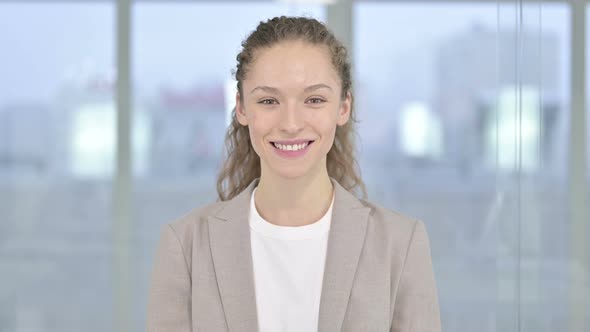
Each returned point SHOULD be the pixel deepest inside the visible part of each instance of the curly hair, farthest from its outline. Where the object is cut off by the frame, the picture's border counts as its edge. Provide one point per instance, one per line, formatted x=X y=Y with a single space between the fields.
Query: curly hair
x=242 y=164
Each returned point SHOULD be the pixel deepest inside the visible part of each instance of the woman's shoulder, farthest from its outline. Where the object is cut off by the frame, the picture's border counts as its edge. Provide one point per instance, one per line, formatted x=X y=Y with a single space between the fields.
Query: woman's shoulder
x=391 y=221
x=382 y=219
x=197 y=214
x=184 y=225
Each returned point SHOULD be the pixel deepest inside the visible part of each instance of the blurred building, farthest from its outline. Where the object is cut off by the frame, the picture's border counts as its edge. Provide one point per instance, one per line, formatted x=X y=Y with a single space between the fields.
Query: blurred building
x=25 y=129
x=187 y=129
x=473 y=69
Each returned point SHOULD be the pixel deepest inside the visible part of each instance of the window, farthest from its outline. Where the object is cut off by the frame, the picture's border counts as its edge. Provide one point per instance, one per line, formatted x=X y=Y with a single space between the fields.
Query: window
x=56 y=154
x=459 y=130
x=464 y=123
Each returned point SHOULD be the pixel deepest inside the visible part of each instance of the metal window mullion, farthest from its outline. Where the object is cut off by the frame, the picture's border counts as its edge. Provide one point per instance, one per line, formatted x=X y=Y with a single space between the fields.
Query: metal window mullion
x=122 y=221
x=339 y=18
x=577 y=184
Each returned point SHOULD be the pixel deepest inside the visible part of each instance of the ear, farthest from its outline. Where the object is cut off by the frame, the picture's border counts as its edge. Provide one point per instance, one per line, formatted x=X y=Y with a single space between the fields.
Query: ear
x=240 y=111
x=344 y=110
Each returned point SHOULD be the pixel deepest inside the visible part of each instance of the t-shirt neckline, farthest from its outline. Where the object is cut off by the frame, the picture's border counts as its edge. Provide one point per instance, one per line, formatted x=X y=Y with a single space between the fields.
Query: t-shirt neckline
x=267 y=229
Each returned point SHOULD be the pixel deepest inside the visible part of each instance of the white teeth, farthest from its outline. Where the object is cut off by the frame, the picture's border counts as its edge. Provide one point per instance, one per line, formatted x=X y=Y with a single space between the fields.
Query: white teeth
x=295 y=147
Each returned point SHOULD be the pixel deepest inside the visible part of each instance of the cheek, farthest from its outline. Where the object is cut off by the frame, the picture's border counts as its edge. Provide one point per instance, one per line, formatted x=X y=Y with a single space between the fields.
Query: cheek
x=328 y=133
x=259 y=128
x=330 y=137
x=258 y=131
x=254 y=136
x=255 y=143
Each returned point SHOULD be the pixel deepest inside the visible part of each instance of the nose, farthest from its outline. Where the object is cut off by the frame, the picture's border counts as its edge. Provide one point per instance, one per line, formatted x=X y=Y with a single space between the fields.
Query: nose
x=291 y=121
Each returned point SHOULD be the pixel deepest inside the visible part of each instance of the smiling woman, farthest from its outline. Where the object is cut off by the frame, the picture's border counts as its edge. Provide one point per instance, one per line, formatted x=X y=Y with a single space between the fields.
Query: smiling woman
x=288 y=246
x=304 y=88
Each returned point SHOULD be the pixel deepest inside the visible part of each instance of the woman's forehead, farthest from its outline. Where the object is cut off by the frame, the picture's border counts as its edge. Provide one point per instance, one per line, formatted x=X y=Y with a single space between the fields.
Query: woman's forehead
x=293 y=63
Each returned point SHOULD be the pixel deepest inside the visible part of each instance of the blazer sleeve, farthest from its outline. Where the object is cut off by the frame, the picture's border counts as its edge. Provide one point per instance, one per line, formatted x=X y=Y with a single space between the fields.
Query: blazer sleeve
x=169 y=300
x=416 y=306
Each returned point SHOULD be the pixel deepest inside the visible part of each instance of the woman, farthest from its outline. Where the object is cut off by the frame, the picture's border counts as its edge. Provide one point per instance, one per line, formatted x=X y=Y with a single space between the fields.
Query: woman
x=288 y=246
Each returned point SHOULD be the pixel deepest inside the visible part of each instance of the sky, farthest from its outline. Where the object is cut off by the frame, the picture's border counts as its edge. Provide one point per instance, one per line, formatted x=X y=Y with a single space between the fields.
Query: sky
x=180 y=45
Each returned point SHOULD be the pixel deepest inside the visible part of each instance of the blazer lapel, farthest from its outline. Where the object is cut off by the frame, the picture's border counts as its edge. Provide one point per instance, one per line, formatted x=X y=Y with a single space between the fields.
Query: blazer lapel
x=345 y=242
x=229 y=237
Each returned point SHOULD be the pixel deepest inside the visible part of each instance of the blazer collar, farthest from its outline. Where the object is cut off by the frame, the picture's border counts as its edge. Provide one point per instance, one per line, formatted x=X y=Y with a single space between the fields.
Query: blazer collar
x=229 y=237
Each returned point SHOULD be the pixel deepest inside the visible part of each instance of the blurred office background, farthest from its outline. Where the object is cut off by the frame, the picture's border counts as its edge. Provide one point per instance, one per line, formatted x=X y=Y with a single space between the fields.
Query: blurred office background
x=473 y=118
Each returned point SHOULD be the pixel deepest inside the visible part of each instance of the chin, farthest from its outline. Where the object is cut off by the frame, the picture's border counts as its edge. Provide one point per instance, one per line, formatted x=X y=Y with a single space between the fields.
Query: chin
x=291 y=173
x=304 y=168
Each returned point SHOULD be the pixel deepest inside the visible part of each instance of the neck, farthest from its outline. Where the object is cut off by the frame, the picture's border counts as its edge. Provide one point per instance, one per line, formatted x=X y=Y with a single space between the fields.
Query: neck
x=293 y=201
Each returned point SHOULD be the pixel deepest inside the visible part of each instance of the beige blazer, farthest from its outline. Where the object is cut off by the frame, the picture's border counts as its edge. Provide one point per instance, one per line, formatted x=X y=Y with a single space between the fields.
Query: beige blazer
x=378 y=274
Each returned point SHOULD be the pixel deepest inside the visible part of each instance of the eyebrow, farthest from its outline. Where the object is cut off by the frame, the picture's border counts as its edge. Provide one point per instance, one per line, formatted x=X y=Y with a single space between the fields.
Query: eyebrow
x=275 y=90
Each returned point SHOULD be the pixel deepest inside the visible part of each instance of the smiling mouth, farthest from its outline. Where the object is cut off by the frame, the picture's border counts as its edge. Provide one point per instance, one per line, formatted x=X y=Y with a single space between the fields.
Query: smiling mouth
x=292 y=147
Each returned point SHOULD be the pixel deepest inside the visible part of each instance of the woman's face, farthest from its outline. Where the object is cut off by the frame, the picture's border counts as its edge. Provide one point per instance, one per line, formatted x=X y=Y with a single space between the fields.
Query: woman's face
x=292 y=96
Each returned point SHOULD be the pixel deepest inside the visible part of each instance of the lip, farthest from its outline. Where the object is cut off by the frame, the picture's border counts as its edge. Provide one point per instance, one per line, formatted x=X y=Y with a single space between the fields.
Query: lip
x=292 y=154
x=293 y=141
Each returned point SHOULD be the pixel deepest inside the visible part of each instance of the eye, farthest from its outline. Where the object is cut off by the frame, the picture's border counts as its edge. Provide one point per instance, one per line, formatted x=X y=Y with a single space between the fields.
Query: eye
x=267 y=101
x=316 y=100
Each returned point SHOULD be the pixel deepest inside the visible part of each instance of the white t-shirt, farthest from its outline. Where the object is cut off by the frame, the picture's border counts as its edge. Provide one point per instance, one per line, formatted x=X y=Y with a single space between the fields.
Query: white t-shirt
x=288 y=271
